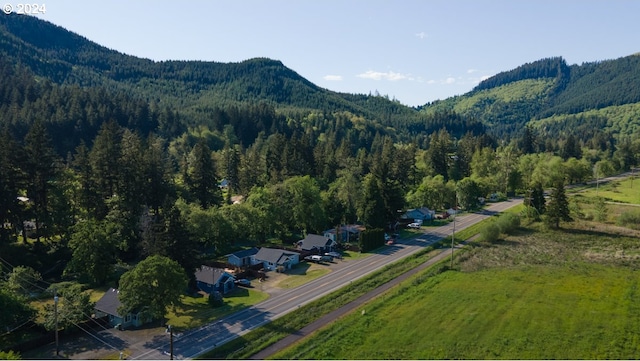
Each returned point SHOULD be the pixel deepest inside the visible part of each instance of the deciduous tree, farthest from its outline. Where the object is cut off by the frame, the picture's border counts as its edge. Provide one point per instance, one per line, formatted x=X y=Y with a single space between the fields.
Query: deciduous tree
x=75 y=306
x=152 y=286
x=93 y=250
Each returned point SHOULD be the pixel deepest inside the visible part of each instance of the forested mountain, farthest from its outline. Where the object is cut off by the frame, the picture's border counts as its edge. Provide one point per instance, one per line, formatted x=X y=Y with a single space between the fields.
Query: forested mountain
x=549 y=87
x=52 y=52
x=107 y=159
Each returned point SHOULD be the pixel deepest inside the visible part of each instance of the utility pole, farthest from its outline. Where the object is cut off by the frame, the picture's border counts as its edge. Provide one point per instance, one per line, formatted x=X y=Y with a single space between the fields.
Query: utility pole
x=170 y=342
x=55 y=317
x=597 y=180
x=453 y=236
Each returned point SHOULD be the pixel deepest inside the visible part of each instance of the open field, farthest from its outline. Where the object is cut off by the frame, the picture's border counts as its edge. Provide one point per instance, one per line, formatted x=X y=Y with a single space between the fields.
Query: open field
x=569 y=294
x=625 y=191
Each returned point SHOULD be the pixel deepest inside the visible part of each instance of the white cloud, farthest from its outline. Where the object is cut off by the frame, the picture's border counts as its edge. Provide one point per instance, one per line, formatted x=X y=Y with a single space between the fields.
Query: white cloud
x=485 y=77
x=421 y=35
x=471 y=71
x=450 y=80
x=332 y=77
x=378 y=75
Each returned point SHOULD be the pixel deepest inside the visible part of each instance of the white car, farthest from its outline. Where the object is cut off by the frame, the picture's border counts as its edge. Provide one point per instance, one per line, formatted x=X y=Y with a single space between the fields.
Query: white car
x=415 y=225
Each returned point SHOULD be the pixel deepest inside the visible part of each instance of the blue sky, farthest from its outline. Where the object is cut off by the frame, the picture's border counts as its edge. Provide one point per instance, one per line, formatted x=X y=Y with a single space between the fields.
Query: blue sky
x=411 y=50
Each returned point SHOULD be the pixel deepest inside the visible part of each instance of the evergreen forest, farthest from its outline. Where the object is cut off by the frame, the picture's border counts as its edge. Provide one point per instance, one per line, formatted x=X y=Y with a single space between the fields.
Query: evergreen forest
x=107 y=159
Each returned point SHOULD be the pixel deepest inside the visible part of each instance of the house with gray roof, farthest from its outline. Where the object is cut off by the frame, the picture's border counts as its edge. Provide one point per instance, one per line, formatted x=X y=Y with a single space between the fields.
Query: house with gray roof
x=419 y=214
x=244 y=258
x=345 y=233
x=107 y=306
x=211 y=279
x=316 y=243
x=277 y=259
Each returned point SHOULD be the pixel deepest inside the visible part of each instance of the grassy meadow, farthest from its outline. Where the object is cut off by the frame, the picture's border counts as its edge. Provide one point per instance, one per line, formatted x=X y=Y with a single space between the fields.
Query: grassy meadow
x=625 y=191
x=567 y=294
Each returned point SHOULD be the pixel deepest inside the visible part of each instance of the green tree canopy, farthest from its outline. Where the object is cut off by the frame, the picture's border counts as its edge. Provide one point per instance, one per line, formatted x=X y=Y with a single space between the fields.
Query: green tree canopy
x=93 y=250
x=14 y=310
x=23 y=280
x=74 y=307
x=152 y=286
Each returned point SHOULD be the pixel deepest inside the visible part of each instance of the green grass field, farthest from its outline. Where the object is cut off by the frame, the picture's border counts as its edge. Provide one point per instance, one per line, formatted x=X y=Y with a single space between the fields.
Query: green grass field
x=569 y=294
x=626 y=191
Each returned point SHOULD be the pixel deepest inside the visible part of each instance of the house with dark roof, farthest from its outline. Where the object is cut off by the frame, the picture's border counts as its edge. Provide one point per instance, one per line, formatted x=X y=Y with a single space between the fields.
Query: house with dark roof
x=419 y=214
x=211 y=279
x=316 y=243
x=345 y=233
x=107 y=306
x=277 y=259
x=244 y=258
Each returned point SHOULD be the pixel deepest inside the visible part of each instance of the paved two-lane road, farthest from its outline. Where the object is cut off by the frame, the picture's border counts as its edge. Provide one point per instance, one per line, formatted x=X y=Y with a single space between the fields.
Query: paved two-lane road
x=195 y=342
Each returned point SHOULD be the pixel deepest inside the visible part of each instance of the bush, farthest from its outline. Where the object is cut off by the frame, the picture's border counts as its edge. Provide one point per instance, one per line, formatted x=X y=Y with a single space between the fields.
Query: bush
x=215 y=299
x=630 y=219
x=490 y=233
x=508 y=222
x=9 y=355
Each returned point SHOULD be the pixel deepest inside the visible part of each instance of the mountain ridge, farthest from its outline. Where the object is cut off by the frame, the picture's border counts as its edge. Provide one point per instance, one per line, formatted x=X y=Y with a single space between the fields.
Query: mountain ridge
x=505 y=102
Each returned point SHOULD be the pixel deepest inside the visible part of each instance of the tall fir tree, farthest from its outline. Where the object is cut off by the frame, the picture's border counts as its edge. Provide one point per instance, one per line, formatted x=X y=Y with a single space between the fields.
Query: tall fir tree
x=558 y=206
x=11 y=181
x=104 y=158
x=41 y=168
x=201 y=177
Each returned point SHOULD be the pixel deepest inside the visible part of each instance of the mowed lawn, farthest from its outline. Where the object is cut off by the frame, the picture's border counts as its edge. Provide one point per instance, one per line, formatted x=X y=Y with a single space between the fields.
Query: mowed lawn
x=195 y=311
x=563 y=307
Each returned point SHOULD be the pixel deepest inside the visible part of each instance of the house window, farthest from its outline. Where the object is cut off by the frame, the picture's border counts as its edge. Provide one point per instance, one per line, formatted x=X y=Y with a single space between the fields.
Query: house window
x=127 y=318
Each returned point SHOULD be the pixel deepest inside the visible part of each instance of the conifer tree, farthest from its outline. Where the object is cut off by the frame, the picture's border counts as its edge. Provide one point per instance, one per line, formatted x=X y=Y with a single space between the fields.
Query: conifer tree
x=11 y=178
x=558 y=207
x=201 y=177
x=40 y=169
x=104 y=158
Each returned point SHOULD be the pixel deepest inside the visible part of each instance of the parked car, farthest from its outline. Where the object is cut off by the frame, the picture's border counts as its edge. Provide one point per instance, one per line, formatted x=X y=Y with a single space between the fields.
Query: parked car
x=243 y=282
x=415 y=225
x=391 y=242
x=326 y=258
x=334 y=255
x=314 y=258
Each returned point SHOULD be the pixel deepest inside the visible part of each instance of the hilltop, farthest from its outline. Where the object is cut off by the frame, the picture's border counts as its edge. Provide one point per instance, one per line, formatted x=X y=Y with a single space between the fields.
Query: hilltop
x=576 y=99
x=537 y=93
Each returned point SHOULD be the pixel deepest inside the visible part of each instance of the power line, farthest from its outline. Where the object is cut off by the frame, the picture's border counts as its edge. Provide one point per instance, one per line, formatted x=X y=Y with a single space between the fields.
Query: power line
x=95 y=337
x=22 y=324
